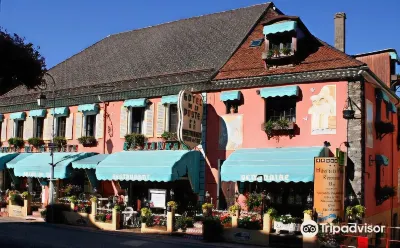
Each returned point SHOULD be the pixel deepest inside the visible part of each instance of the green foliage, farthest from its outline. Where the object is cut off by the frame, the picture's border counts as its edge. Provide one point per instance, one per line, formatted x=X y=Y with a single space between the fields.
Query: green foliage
x=270 y=53
x=60 y=141
x=207 y=206
x=145 y=216
x=308 y=211
x=272 y=212
x=232 y=209
x=355 y=212
x=101 y=217
x=43 y=213
x=16 y=199
x=135 y=139
x=286 y=50
x=253 y=201
x=172 y=204
x=169 y=136
x=285 y=219
x=269 y=126
x=36 y=142
x=20 y=63
x=16 y=142
x=87 y=140
x=25 y=195
x=213 y=229
x=251 y=223
x=73 y=199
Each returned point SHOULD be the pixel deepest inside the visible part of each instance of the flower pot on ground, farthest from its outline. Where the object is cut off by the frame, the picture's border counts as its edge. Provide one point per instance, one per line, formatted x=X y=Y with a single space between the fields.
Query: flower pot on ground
x=36 y=142
x=87 y=141
x=16 y=199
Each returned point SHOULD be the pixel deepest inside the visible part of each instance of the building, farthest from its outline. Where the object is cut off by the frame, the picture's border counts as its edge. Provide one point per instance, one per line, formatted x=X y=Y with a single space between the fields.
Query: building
x=274 y=95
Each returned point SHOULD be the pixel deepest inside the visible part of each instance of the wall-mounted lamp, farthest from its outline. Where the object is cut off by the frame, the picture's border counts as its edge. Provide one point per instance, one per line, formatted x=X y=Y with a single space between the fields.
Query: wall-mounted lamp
x=351 y=197
x=359 y=196
x=348 y=111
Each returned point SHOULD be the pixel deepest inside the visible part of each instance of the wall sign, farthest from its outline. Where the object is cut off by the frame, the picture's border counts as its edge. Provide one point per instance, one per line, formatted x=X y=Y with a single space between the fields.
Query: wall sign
x=328 y=188
x=131 y=177
x=158 y=198
x=267 y=178
x=36 y=174
x=230 y=132
x=190 y=112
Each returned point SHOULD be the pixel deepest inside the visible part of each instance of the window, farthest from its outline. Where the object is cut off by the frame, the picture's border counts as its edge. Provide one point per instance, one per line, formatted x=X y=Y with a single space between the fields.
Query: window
x=39 y=121
x=61 y=123
x=232 y=106
x=90 y=125
x=137 y=115
x=256 y=43
x=173 y=118
x=281 y=108
x=280 y=42
x=19 y=130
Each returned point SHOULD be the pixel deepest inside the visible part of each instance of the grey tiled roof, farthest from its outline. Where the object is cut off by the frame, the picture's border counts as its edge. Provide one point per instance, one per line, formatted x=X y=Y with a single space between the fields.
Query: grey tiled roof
x=170 y=53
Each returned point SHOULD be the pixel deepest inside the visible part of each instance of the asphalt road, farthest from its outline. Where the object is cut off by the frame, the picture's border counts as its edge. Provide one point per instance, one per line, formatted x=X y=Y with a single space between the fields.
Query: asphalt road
x=16 y=233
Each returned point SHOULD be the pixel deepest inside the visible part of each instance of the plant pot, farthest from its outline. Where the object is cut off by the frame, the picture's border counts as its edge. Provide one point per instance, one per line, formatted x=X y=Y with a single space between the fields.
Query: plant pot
x=348 y=114
x=143 y=225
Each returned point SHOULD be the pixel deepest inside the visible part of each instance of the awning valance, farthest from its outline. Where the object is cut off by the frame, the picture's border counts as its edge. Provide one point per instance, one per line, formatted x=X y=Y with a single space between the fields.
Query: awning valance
x=5 y=158
x=136 y=103
x=11 y=164
x=280 y=91
x=89 y=162
x=1 y=117
x=230 y=95
x=380 y=95
x=280 y=27
x=381 y=160
x=172 y=99
x=18 y=116
x=38 y=113
x=38 y=164
x=62 y=111
x=294 y=164
x=159 y=166
x=94 y=108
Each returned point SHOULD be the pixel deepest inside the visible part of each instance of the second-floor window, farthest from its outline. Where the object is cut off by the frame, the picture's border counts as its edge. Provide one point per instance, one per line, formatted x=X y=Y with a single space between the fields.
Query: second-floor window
x=137 y=115
x=90 y=125
x=38 y=126
x=61 y=124
x=173 y=118
x=281 y=108
x=19 y=129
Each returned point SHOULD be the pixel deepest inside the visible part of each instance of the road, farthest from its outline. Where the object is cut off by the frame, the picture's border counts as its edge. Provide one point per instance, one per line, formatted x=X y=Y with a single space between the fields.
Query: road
x=18 y=233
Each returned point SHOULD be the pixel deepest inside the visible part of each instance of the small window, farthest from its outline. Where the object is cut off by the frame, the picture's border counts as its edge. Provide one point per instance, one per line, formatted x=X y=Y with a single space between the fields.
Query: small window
x=39 y=121
x=278 y=108
x=19 y=129
x=256 y=43
x=136 y=120
x=90 y=125
x=232 y=106
x=173 y=118
x=61 y=123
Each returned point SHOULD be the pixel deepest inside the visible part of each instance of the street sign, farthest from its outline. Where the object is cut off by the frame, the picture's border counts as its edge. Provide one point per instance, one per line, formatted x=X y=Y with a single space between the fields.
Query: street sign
x=190 y=113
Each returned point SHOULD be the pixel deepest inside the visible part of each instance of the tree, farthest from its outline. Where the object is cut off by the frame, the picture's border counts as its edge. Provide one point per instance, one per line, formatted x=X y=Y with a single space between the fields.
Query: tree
x=20 y=63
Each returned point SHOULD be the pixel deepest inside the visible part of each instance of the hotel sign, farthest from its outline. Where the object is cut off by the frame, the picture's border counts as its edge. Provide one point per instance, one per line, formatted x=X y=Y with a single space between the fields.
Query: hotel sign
x=190 y=112
x=131 y=177
x=267 y=178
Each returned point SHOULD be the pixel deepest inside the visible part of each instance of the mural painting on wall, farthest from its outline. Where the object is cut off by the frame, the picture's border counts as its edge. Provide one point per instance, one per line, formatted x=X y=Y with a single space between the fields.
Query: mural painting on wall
x=231 y=132
x=370 y=126
x=323 y=111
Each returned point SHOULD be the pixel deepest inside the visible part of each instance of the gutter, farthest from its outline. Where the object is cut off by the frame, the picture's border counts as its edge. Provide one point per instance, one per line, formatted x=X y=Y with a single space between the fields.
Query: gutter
x=372 y=78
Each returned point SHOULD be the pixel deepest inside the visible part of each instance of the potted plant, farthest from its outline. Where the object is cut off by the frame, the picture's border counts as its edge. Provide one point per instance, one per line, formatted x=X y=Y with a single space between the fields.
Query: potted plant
x=169 y=136
x=286 y=51
x=87 y=141
x=93 y=199
x=287 y=223
x=35 y=142
x=277 y=52
x=384 y=127
x=73 y=199
x=207 y=209
x=355 y=213
x=16 y=142
x=171 y=206
x=145 y=214
x=180 y=223
x=101 y=217
x=60 y=141
x=254 y=201
x=25 y=195
x=16 y=199
x=272 y=213
x=234 y=210
x=135 y=140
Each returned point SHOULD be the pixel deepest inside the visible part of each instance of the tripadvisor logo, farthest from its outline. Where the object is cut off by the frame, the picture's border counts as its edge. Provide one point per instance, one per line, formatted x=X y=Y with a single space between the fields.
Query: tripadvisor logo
x=310 y=228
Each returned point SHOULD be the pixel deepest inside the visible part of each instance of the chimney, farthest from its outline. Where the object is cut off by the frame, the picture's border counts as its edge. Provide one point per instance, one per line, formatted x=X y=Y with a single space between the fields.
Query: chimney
x=340 y=31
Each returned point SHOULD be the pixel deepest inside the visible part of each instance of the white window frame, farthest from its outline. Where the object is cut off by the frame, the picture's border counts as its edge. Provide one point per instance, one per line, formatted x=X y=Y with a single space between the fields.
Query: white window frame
x=35 y=127
x=85 y=115
x=130 y=120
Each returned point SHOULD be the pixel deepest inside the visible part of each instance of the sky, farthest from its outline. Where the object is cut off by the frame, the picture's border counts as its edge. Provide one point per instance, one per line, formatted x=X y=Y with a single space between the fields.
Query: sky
x=63 y=28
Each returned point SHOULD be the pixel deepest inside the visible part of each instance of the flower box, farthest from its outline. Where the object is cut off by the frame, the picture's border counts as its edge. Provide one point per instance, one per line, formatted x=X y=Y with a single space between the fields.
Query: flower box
x=290 y=227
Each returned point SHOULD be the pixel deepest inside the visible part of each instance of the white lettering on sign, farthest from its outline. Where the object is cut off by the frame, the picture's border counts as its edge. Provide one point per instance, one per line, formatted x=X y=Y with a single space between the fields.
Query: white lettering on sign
x=267 y=178
x=36 y=174
x=131 y=177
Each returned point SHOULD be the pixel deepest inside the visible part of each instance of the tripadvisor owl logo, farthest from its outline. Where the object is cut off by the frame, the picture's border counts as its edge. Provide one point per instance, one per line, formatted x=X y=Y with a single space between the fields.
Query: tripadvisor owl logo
x=309 y=228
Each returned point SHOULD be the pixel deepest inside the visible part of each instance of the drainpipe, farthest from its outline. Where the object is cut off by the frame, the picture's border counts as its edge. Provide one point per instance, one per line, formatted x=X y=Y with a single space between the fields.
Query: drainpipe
x=104 y=127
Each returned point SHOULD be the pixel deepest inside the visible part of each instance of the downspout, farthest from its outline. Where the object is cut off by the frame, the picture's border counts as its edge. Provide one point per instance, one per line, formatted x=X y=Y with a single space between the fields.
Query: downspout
x=104 y=127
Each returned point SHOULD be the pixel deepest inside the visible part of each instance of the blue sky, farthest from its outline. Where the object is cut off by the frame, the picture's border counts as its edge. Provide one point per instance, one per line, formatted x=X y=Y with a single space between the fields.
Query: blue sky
x=63 y=28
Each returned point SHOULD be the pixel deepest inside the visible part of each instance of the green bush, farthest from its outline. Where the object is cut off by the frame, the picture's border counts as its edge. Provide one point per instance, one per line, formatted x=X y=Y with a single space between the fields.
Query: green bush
x=36 y=142
x=16 y=142
x=25 y=195
x=212 y=229
x=169 y=136
x=135 y=138
x=87 y=140
x=73 y=199
x=16 y=199
x=54 y=213
x=60 y=141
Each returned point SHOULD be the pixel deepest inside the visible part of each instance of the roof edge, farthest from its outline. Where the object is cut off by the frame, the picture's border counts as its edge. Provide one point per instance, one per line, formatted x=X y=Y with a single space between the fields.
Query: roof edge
x=387 y=50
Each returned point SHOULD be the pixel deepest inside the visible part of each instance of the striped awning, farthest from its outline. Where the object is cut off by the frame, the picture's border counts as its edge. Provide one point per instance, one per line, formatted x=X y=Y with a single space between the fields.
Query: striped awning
x=38 y=113
x=280 y=27
x=18 y=116
x=136 y=103
x=89 y=162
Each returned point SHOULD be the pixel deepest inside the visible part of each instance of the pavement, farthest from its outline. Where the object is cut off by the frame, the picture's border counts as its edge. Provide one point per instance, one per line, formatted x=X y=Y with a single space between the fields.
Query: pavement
x=16 y=232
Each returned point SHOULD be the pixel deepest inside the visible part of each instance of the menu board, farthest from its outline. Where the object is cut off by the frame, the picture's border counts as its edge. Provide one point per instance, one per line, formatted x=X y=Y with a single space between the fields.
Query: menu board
x=158 y=198
x=328 y=188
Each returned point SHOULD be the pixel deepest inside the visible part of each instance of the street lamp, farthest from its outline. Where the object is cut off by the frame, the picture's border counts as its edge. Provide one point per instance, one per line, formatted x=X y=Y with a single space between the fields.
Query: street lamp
x=42 y=103
x=207 y=196
x=172 y=193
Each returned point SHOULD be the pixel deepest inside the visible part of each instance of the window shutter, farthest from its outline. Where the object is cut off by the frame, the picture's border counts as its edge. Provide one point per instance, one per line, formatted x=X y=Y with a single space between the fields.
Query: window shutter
x=28 y=128
x=78 y=125
x=149 y=121
x=4 y=130
x=47 y=127
x=123 y=125
x=10 y=129
x=100 y=124
x=68 y=126
x=160 y=119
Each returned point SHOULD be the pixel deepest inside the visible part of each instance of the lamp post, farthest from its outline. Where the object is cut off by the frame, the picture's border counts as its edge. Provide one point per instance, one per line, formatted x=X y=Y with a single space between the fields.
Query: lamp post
x=207 y=196
x=171 y=192
x=42 y=103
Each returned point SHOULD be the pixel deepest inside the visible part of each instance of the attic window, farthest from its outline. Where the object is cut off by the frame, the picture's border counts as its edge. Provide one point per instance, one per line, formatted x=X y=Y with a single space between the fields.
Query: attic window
x=256 y=43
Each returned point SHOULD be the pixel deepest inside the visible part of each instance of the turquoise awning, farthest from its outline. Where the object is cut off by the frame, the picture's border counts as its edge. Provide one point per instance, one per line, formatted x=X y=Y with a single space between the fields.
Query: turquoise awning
x=394 y=56
x=280 y=27
x=5 y=158
x=230 y=95
x=294 y=164
x=62 y=111
x=89 y=108
x=280 y=91
x=1 y=117
x=159 y=166
x=18 y=116
x=11 y=164
x=381 y=160
x=90 y=162
x=136 y=103
x=38 y=164
x=172 y=99
x=380 y=95
x=392 y=108
x=38 y=113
